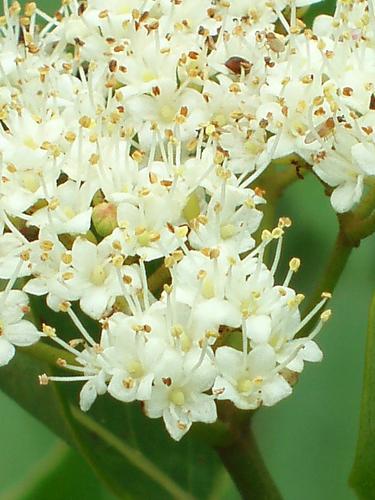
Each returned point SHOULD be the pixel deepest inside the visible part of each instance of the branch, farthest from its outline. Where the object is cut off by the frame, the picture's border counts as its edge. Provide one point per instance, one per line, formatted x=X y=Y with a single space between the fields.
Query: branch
x=242 y=459
x=332 y=272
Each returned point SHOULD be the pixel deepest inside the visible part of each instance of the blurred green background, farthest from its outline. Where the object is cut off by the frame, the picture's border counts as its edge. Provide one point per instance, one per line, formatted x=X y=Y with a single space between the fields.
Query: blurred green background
x=308 y=440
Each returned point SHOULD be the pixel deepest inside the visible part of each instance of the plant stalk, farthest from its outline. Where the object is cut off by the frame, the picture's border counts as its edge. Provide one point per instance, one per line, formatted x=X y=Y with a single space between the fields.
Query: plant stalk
x=243 y=461
x=334 y=268
x=241 y=456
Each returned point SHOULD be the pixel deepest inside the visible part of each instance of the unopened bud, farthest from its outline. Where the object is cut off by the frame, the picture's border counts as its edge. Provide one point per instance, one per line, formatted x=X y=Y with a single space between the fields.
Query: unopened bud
x=104 y=218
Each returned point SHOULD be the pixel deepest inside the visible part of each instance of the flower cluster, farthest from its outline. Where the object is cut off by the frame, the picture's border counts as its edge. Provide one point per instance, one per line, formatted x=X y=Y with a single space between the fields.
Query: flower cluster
x=131 y=138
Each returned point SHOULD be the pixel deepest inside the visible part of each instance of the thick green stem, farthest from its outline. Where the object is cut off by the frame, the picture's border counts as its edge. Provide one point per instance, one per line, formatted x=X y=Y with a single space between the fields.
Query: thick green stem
x=241 y=456
x=367 y=204
x=245 y=464
x=333 y=270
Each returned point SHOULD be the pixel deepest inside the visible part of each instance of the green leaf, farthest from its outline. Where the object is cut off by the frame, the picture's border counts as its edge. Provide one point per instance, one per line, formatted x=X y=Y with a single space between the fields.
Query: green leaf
x=60 y=474
x=131 y=454
x=362 y=478
x=19 y=380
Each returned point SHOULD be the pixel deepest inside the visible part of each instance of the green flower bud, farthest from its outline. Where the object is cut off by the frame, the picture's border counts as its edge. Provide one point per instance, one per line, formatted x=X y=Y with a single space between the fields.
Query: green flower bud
x=104 y=218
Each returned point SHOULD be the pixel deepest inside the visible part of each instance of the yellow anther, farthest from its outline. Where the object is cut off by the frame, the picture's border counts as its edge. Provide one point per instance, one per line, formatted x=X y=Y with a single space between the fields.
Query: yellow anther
x=49 y=331
x=43 y=379
x=277 y=232
x=326 y=315
x=177 y=331
x=294 y=264
x=266 y=235
x=118 y=261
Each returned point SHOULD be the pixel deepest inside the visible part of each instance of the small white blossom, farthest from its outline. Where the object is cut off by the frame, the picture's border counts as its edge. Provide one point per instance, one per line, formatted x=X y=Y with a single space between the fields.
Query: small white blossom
x=14 y=330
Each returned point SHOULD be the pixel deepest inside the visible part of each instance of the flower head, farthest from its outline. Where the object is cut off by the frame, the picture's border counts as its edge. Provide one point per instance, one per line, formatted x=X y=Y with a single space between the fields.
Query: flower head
x=132 y=135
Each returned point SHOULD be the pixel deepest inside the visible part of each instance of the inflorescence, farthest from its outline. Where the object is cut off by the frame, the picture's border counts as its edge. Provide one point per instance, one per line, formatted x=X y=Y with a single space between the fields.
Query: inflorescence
x=132 y=134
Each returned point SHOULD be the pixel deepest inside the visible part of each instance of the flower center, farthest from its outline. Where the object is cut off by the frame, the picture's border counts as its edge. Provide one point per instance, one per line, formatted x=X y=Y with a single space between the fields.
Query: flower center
x=30 y=143
x=167 y=113
x=30 y=181
x=146 y=237
x=69 y=212
x=208 y=289
x=220 y=119
x=177 y=397
x=227 y=231
x=148 y=76
x=245 y=385
x=253 y=148
x=98 y=275
x=135 y=369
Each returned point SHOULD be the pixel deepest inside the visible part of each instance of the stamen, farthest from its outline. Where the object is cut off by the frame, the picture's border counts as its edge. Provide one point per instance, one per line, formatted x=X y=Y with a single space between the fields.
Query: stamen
x=11 y=283
x=127 y=296
x=276 y=259
x=288 y=360
x=144 y=284
x=201 y=358
x=13 y=228
x=294 y=265
x=324 y=317
x=70 y=379
x=326 y=296
x=80 y=327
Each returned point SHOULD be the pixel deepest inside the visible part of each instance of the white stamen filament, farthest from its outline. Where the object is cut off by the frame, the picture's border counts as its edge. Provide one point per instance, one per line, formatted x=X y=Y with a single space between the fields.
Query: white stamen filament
x=80 y=327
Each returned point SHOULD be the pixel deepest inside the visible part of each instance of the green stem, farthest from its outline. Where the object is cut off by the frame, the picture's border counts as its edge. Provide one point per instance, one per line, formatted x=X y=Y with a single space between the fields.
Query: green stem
x=245 y=464
x=367 y=204
x=354 y=227
x=241 y=456
x=274 y=184
x=333 y=270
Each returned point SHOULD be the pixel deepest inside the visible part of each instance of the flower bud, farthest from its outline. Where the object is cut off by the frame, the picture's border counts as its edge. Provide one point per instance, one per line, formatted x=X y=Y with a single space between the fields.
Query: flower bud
x=104 y=218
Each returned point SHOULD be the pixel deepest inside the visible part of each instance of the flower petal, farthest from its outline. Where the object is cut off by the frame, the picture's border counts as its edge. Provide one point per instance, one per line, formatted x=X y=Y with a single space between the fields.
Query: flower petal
x=7 y=351
x=258 y=328
x=275 y=390
x=23 y=333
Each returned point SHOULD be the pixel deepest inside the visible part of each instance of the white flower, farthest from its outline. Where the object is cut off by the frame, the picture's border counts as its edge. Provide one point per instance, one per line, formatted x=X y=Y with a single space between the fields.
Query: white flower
x=91 y=389
x=14 y=330
x=344 y=168
x=231 y=218
x=249 y=380
x=47 y=262
x=134 y=356
x=11 y=249
x=179 y=390
x=92 y=277
x=69 y=209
